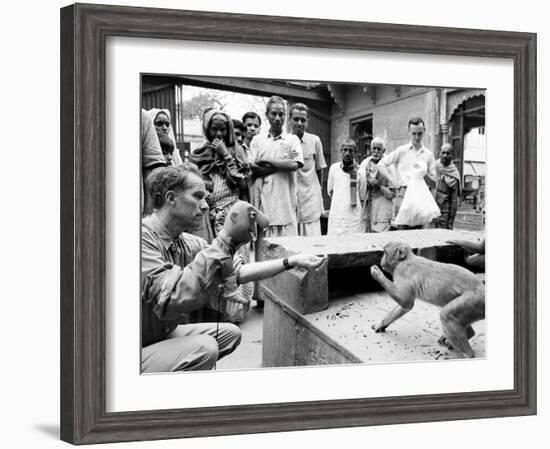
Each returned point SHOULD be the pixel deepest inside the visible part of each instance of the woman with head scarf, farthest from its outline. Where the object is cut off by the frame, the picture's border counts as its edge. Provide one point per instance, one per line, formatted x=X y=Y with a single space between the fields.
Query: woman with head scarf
x=224 y=168
x=223 y=165
x=163 y=126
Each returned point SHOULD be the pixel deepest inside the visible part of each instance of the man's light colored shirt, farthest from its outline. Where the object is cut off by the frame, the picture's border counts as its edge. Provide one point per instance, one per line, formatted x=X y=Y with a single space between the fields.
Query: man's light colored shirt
x=343 y=217
x=276 y=194
x=246 y=151
x=310 y=198
x=403 y=159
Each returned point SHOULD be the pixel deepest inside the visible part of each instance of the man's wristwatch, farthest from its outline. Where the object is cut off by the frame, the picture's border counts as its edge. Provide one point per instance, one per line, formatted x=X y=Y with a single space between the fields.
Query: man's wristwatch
x=286 y=263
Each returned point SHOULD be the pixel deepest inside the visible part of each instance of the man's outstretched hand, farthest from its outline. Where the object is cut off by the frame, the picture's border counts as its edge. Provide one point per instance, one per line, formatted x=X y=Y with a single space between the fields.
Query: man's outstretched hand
x=308 y=261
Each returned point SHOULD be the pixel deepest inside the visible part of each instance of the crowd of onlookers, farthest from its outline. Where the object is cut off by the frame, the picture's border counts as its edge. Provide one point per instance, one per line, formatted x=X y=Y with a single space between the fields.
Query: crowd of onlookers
x=282 y=174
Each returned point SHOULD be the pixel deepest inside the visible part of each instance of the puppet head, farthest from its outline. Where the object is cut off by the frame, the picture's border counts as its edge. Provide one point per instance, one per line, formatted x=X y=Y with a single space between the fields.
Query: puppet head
x=241 y=222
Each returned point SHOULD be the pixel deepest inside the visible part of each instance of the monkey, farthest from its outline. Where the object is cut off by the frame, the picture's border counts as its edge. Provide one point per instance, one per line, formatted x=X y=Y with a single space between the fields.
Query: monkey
x=458 y=292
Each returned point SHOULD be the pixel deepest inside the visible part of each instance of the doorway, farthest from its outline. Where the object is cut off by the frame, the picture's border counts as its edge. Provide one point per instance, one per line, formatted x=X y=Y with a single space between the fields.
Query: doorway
x=468 y=115
x=361 y=132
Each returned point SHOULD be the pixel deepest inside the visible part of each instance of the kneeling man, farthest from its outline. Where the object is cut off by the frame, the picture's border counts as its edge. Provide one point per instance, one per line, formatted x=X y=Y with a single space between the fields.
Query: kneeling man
x=180 y=273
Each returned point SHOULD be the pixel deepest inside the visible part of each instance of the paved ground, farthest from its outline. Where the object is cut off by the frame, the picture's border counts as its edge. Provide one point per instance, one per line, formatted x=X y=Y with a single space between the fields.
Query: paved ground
x=348 y=321
x=249 y=353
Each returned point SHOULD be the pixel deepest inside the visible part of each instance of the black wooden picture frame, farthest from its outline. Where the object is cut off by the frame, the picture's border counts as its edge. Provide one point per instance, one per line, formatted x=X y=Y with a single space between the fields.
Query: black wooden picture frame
x=84 y=29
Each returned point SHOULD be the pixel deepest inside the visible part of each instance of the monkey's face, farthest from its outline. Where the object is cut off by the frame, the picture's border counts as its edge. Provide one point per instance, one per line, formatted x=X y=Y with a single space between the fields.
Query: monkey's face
x=394 y=254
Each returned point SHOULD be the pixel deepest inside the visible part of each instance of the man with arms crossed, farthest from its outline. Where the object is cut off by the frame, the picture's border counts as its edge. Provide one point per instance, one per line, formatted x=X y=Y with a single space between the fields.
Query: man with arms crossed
x=275 y=157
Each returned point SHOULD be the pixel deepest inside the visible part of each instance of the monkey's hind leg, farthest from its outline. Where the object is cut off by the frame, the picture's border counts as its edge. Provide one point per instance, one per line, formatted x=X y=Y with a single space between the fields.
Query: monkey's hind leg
x=470 y=332
x=456 y=318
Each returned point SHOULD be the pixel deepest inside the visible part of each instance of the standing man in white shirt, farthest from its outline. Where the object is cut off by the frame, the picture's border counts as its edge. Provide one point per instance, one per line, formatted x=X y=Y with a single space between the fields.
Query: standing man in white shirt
x=403 y=159
x=275 y=157
x=310 y=176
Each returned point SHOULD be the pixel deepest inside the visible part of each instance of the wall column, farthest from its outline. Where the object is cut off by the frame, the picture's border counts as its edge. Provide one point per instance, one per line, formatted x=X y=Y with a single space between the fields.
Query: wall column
x=443 y=120
x=444 y=129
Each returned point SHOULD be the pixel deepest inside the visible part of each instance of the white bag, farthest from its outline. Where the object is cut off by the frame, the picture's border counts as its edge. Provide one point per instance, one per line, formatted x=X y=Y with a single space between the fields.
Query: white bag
x=418 y=207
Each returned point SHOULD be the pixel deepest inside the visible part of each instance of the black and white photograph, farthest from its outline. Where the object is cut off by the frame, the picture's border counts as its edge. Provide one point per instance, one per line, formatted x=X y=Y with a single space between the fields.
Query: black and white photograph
x=293 y=223
x=263 y=225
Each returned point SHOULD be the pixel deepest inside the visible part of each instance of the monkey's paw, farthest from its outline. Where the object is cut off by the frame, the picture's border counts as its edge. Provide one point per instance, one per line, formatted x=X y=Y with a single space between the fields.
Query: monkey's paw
x=379 y=328
x=444 y=342
x=376 y=272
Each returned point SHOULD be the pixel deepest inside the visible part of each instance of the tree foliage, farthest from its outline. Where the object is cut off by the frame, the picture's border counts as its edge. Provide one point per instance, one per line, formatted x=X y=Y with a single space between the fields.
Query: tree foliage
x=196 y=105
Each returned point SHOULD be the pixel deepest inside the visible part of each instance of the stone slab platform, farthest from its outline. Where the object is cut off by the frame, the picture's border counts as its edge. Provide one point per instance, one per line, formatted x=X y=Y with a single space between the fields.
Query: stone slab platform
x=366 y=249
x=347 y=263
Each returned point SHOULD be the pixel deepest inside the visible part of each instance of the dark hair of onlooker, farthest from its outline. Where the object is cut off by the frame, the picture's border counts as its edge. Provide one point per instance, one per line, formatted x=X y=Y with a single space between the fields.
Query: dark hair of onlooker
x=416 y=121
x=349 y=142
x=163 y=179
x=252 y=115
x=275 y=99
x=237 y=124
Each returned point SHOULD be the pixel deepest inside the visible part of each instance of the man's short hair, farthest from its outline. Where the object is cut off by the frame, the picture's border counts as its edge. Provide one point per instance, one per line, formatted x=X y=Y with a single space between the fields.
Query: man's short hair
x=416 y=121
x=350 y=142
x=163 y=179
x=237 y=124
x=447 y=146
x=299 y=107
x=275 y=99
x=252 y=115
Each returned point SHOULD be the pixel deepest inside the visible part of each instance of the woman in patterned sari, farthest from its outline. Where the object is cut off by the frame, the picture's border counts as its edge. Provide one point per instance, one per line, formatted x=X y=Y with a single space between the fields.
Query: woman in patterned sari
x=225 y=170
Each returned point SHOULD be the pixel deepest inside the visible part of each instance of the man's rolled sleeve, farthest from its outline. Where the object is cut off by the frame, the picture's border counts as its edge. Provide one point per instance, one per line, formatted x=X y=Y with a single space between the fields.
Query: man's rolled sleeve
x=297 y=154
x=389 y=159
x=320 y=162
x=176 y=291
